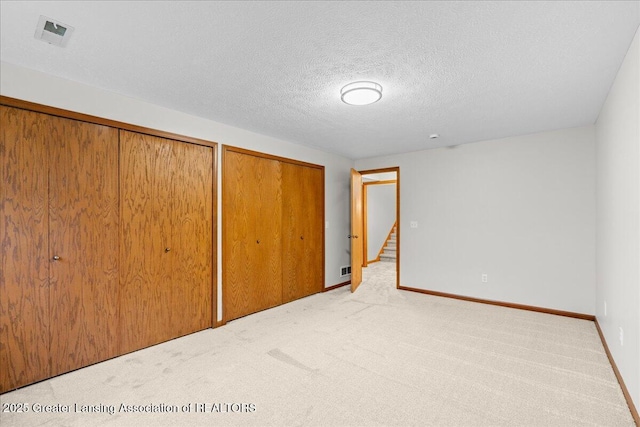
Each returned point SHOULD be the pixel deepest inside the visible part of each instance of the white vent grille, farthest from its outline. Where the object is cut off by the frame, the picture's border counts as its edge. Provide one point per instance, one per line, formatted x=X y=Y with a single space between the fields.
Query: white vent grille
x=345 y=271
x=53 y=32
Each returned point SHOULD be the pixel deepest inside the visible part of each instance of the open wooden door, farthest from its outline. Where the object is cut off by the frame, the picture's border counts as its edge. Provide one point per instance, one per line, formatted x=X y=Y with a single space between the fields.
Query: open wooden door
x=357 y=250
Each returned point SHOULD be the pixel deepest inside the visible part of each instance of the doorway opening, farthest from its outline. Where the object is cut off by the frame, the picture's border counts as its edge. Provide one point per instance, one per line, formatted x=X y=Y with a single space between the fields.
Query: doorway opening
x=375 y=223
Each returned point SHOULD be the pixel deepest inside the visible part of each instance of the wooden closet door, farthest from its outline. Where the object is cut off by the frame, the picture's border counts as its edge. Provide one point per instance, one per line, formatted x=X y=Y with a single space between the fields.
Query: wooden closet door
x=313 y=219
x=192 y=239
x=302 y=225
x=163 y=251
x=166 y=239
x=252 y=215
x=24 y=244
x=83 y=226
x=146 y=173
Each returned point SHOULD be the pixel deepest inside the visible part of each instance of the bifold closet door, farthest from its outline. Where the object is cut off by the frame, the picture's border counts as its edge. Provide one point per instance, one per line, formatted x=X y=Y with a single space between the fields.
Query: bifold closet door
x=83 y=227
x=192 y=238
x=302 y=228
x=144 y=265
x=24 y=255
x=166 y=243
x=252 y=215
x=59 y=233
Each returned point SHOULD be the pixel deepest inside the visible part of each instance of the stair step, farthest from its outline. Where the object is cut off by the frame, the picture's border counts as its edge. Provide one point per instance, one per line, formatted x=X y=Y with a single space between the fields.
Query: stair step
x=389 y=250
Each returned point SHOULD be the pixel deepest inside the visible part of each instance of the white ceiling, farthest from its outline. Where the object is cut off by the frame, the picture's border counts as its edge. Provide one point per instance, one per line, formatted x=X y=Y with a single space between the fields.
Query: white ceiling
x=469 y=71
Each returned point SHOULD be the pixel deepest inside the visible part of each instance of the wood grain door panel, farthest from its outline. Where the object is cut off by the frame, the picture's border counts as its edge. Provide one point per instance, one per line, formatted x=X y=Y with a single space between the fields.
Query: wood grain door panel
x=146 y=189
x=192 y=238
x=238 y=231
x=163 y=250
x=83 y=222
x=267 y=280
x=24 y=255
x=302 y=231
x=293 y=231
x=313 y=218
x=167 y=244
x=252 y=210
x=141 y=247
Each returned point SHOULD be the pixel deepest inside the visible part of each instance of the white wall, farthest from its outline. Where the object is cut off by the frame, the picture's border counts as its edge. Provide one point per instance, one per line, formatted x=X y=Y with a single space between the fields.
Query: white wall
x=618 y=219
x=521 y=210
x=34 y=86
x=381 y=214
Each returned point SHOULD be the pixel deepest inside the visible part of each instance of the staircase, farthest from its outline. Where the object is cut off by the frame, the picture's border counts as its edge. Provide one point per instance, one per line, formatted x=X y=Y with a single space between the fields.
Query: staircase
x=388 y=251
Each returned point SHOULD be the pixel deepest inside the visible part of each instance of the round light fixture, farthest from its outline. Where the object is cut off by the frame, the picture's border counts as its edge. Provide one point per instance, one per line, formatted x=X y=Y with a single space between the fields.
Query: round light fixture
x=434 y=136
x=361 y=93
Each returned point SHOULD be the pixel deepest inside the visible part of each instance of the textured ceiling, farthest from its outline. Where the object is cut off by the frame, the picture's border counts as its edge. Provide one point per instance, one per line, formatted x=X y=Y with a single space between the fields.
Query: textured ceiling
x=469 y=71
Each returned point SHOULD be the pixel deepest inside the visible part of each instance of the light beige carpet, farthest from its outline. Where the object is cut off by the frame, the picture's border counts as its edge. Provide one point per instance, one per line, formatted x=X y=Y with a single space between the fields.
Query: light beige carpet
x=376 y=357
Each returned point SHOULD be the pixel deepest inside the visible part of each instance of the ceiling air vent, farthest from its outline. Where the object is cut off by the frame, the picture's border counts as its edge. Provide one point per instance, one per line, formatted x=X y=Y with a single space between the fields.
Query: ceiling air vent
x=53 y=32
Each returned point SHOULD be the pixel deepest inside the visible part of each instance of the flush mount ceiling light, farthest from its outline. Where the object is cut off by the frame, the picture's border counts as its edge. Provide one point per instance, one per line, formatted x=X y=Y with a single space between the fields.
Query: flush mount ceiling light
x=361 y=93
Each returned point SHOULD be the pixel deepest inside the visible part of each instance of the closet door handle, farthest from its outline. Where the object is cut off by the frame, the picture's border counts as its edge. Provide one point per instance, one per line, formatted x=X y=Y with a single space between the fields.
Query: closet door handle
x=167 y=250
x=301 y=237
x=350 y=236
x=258 y=241
x=56 y=258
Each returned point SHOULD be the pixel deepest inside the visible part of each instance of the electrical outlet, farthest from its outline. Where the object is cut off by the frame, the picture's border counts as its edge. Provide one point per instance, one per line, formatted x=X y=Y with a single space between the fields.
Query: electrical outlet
x=621 y=336
x=605 y=309
x=413 y=224
x=485 y=279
